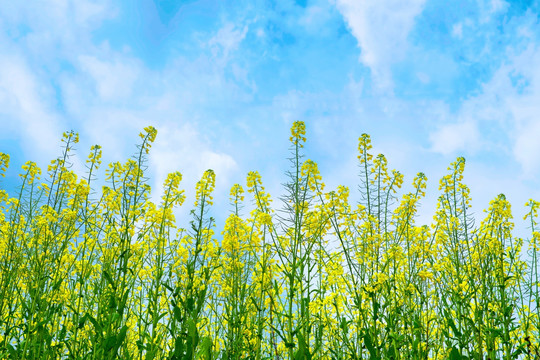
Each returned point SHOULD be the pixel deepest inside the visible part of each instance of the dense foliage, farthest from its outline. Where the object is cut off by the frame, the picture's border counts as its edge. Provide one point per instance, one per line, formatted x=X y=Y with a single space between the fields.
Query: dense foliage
x=87 y=274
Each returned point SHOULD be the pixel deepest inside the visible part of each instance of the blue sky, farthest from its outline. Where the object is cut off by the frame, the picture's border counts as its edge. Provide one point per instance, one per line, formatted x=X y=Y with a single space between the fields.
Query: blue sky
x=222 y=81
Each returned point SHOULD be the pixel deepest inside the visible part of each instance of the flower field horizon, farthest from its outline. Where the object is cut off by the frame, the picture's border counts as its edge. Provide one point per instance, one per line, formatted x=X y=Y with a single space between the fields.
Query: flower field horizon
x=108 y=273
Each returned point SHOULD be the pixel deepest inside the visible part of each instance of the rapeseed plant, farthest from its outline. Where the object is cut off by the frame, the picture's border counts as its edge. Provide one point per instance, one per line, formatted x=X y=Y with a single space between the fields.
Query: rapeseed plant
x=108 y=274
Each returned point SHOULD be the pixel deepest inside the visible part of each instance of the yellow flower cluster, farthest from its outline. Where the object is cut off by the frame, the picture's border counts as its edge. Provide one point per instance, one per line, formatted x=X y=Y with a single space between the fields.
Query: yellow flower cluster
x=298 y=132
x=32 y=172
x=204 y=189
x=364 y=145
x=4 y=163
x=148 y=137
x=236 y=194
x=262 y=198
x=173 y=196
x=310 y=171
x=94 y=158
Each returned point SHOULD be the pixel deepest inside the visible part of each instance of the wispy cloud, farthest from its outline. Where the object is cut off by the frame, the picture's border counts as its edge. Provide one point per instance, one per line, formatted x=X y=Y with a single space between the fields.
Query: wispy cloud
x=227 y=39
x=113 y=79
x=455 y=137
x=381 y=28
x=26 y=106
x=503 y=117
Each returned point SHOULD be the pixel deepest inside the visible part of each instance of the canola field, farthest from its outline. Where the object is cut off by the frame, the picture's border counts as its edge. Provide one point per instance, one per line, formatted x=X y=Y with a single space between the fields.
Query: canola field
x=90 y=272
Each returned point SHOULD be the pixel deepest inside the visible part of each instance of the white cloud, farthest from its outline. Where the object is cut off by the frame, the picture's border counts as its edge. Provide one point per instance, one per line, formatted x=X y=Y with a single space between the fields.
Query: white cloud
x=423 y=77
x=457 y=30
x=489 y=8
x=227 y=39
x=498 y=5
x=25 y=106
x=180 y=147
x=114 y=80
x=522 y=102
x=55 y=28
x=315 y=17
x=452 y=138
x=381 y=28
x=527 y=147
x=503 y=117
x=90 y=12
x=33 y=37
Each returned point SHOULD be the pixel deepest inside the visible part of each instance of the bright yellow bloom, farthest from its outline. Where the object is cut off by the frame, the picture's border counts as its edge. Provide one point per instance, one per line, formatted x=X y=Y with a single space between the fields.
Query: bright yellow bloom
x=4 y=163
x=204 y=188
x=298 y=132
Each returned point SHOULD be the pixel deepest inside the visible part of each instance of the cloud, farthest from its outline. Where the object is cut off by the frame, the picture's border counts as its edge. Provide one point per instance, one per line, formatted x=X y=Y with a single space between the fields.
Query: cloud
x=49 y=30
x=457 y=137
x=489 y=8
x=522 y=103
x=457 y=30
x=181 y=147
x=503 y=118
x=381 y=28
x=227 y=39
x=113 y=79
x=36 y=41
x=25 y=106
x=316 y=17
x=527 y=147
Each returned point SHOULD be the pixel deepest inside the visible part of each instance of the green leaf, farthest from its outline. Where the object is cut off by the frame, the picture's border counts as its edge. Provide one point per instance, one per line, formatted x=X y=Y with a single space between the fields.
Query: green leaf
x=303 y=349
x=121 y=336
x=454 y=354
x=112 y=303
x=192 y=329
x=205 y=351
x=56 y=286
x=167 y=287
x=140 y=345
x=82 y=321
x=12 y=351
x=369 y=346
x=123 y=302
x=520 y=350
x=110 y=343
x=192 y=339
x=150 y=354
x=344 y=325
x=452 y=325
x=299 y=354
x=162 y=315
x=62 y=334
x=190 y=304
x=178 y=347
x=94 y=322
x=177 y=314
x=109 y=279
